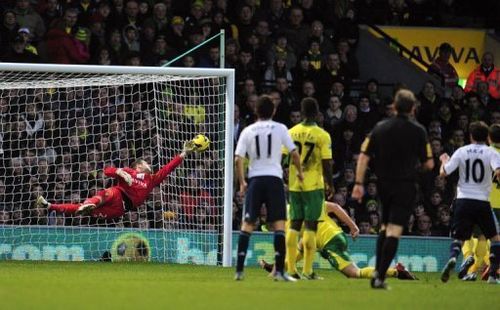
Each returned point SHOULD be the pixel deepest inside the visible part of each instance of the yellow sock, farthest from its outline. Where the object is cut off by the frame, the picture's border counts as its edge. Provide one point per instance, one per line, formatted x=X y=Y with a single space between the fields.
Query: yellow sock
x=292 y=242
x=391 y=272
x=300 y=256
x=468 y=248
x=480 y=253
x=486 y=257
x=309 y=242
x=366 y=273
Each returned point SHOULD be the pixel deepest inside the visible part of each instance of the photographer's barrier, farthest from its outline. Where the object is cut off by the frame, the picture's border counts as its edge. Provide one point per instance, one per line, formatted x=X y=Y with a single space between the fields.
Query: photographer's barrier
x=186 y=247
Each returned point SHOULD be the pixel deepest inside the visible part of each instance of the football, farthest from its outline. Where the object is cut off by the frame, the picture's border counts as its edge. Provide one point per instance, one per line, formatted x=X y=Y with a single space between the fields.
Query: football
x=201 y=143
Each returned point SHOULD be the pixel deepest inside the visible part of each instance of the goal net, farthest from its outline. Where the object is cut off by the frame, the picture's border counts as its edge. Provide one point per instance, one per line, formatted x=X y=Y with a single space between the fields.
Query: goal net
x=61 y=125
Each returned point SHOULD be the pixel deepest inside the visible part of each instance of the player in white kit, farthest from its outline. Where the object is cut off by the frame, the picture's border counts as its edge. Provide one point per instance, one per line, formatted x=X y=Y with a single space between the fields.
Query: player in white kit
x=262 y=142
x=476 y=163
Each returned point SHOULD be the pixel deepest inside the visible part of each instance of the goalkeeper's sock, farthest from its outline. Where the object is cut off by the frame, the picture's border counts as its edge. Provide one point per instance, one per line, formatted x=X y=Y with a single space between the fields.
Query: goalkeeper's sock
x=292 y=243
x=379 y=246
x=242 y=250
x=309 y=251
x=68 y=208
x=280 y=250
x=388 y=252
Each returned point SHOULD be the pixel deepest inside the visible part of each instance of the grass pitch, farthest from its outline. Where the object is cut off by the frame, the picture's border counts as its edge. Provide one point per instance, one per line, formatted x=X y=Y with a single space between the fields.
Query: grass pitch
x=60 y=285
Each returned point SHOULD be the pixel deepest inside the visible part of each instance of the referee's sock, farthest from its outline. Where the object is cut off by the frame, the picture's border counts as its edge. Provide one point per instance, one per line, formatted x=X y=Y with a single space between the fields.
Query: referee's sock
x=455 y=248
x=494 y=258
x=380 y=245
x=242 y=250
x=280 y=250
x=388 y=252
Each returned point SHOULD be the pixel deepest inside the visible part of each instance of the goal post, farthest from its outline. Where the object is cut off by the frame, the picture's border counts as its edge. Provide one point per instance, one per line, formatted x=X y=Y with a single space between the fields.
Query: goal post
x=61 y=124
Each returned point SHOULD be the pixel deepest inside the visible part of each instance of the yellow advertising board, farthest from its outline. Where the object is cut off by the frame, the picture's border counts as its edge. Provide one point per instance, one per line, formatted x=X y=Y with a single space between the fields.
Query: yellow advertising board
x=468 y=44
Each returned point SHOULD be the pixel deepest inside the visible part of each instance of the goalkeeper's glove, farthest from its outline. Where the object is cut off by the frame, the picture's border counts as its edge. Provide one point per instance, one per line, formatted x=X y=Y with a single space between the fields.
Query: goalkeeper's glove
x=124 y=175
x=189 y=147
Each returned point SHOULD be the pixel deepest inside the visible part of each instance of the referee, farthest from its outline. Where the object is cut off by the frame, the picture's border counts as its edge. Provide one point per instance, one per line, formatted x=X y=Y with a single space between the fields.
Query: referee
x=396 y=146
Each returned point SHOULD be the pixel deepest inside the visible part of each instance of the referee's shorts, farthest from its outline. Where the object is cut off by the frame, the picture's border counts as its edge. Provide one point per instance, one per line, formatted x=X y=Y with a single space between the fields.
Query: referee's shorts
x=268 y=191
x=398 y=201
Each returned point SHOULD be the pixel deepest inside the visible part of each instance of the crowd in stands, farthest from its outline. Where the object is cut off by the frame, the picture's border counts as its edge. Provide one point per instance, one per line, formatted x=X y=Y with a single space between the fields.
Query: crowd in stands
x=289 y=49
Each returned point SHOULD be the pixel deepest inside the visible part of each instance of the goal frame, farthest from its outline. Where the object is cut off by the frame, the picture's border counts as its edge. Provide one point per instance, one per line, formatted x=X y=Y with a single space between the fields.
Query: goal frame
x=229 y=74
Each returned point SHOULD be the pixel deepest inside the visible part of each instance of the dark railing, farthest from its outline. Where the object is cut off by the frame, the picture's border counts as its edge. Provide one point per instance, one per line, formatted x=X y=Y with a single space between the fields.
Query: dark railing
x=404 y=51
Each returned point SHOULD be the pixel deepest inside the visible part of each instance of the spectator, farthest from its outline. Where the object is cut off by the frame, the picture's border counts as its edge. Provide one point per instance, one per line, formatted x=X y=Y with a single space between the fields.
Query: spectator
x=281 y=47
x=27 y=17
x=429 y=101
x=8 y=28
x=442 y=68
x=486 y=72
x=62 y=46
x=27 y=37
x=297 y=32
x=333 y=113
x=277 y=70
x=424 y=225
x=324 y=39
x=17 y=52
x=51 y=12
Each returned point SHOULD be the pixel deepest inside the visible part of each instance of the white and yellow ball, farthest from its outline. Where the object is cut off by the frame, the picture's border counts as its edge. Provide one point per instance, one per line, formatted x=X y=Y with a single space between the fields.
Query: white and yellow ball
x=201 y=143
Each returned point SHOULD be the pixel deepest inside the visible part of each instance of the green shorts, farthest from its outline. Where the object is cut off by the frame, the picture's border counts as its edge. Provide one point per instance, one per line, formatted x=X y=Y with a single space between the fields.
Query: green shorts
x=335 y=251
x=306 y=205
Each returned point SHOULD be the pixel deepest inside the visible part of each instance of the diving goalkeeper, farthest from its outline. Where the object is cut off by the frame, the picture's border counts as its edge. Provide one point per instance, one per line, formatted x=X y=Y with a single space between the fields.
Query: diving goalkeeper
x=133 y=188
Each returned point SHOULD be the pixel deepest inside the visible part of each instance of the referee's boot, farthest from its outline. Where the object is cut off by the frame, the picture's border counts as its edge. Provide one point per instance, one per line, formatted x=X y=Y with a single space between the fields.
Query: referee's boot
x=377 y=283
x=450 y=265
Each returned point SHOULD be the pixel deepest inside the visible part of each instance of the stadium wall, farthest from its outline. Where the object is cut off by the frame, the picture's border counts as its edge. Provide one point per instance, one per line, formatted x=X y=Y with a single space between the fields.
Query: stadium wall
x=80 y=243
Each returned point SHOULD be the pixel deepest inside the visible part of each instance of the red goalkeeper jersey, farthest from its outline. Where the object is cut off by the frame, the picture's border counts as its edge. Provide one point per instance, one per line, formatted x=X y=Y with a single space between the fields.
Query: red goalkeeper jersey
x=142 y=183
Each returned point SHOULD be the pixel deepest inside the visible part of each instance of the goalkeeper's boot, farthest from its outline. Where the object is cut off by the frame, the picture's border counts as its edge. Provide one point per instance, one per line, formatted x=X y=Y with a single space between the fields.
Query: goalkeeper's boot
x=470 y=277
x=284 y=277
x=238 y=276
x=403 y=273
x=42 y=203
x=464 y=268
x=266 y=266
x=85 y=209
x=450 y=265
x=312 y=276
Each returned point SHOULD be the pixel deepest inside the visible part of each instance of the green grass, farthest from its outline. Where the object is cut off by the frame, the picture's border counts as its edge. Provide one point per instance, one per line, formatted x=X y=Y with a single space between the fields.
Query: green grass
x=57 y=285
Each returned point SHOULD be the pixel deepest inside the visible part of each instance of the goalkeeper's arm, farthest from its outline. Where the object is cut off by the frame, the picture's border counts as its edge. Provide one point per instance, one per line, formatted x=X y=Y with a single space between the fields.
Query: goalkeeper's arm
x=118 y=173
x=176 y=161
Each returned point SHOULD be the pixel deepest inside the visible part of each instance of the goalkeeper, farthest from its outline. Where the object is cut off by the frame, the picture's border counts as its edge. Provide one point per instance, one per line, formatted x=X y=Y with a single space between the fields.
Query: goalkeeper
x=134 y=185
x=331 y=243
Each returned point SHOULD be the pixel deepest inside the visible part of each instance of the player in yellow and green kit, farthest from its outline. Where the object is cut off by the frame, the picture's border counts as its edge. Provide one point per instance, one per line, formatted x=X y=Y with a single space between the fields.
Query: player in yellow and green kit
x=476 y=250
x=331 y=243
x=307 y=196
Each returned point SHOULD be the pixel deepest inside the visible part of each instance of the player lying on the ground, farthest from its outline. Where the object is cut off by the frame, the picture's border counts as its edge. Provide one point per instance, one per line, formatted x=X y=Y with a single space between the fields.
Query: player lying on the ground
x=133 y=188
x=331 y=243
